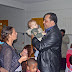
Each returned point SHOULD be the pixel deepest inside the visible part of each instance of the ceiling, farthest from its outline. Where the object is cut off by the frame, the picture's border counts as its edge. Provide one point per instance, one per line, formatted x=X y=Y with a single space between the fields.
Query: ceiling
x=30 y=1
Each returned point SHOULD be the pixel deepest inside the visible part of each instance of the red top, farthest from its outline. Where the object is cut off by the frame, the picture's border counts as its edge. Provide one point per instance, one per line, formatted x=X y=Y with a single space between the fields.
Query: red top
x=69 y=53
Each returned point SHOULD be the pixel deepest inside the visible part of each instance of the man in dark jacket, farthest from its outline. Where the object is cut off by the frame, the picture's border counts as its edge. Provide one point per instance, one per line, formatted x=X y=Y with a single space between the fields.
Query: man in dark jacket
x=50 y=45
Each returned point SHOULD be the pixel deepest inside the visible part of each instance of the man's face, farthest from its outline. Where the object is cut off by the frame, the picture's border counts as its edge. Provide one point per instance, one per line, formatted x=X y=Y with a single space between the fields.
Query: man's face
x=47 y=22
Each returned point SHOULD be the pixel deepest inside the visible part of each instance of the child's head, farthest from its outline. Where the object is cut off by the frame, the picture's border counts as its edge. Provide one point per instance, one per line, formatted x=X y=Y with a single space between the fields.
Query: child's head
x=32 y=65
x=70 y=59
x=32 y=24
x=27 y=50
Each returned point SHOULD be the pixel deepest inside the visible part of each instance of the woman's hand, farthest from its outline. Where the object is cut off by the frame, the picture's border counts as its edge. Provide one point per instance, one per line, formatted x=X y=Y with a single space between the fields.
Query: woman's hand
x=24 y=52
x=23 y=58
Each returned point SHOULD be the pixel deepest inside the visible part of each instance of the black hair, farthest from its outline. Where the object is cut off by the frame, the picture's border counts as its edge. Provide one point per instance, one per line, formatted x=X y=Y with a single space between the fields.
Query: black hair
x=53 y=17
x=62 y=30
x=5 y=32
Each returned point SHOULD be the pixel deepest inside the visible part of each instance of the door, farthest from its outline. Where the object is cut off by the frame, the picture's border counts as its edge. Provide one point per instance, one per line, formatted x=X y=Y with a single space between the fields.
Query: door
x=3 y=23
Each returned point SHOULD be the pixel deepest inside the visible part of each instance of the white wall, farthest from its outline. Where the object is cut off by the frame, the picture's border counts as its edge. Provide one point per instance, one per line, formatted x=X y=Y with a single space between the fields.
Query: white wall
x=15 y=17
x=12 y=3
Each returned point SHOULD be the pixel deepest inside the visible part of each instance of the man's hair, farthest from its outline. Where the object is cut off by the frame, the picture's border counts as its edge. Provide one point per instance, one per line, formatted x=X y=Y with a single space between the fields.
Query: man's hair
x=31 y=61
x=62 y=30
x=29 y=22
x=53 y=17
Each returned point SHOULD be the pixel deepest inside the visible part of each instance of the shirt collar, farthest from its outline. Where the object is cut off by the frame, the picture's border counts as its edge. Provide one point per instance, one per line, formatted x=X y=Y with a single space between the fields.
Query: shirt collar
x=49 y=29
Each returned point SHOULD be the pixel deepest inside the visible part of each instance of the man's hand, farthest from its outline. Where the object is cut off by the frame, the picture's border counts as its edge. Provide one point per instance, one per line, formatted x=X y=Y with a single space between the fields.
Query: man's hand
x=32 y=36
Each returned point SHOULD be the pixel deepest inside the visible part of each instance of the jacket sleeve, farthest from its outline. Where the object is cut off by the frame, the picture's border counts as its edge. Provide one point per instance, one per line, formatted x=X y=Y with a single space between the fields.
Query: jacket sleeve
x=47 y=42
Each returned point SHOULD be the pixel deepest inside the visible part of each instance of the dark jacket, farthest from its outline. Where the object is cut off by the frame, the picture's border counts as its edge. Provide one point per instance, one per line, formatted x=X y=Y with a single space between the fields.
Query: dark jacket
x=50 y=50
x=9 y=58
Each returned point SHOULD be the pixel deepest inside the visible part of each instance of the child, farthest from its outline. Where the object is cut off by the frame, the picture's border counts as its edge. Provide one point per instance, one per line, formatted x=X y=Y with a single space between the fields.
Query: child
x=27 y=50
x=36 y=31
x=32 y=65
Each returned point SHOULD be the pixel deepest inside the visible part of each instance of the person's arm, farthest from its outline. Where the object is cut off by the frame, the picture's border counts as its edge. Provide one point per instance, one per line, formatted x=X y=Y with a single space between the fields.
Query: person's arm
x=23 y=58
x=47 y=42
x=3 y=70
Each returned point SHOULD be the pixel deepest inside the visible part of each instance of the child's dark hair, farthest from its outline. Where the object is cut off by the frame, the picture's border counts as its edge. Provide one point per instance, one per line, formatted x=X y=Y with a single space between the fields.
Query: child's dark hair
x=24 y=64
x=31 y=61
x=70 y=59
x=28 y=47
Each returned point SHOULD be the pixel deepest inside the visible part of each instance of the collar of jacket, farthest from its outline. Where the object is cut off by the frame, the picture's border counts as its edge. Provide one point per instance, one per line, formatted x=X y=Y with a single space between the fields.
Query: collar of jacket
x=49 y=29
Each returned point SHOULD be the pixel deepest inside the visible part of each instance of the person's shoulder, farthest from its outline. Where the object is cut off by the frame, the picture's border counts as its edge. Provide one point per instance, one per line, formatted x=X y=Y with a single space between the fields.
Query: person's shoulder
x=4 y=44
x=6 y=47
x=65 y=36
